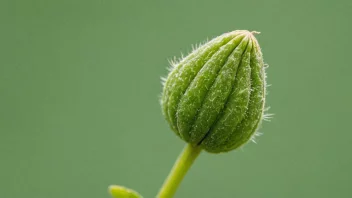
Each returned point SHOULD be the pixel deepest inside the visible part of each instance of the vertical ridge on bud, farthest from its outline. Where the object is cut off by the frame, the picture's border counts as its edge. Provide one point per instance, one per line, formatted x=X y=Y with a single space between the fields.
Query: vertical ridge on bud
x=194 y=96
x=170 y=80
x=235 y=107
x=217 y=95
x=256 y=103
x=185 y=71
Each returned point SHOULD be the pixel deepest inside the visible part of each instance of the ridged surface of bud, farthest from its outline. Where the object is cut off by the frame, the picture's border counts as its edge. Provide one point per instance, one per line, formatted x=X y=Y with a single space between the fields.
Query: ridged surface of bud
x=215 y=96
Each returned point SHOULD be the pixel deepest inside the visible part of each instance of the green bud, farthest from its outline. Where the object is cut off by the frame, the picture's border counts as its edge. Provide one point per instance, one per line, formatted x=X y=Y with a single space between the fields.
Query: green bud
x=215 y=96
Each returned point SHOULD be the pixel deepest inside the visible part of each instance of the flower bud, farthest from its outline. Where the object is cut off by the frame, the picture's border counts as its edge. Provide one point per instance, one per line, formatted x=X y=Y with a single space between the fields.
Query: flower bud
x=214 y=97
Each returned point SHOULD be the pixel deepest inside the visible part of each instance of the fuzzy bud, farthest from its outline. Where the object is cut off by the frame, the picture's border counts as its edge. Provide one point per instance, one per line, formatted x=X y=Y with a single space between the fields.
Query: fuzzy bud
x=214 y=97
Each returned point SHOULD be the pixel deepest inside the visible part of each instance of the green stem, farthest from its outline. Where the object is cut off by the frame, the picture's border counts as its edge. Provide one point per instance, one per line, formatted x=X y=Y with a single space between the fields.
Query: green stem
x=182 y=165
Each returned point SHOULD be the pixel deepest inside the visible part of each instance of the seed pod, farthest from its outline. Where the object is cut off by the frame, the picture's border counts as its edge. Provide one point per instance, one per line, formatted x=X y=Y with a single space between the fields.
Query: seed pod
x=214 y=97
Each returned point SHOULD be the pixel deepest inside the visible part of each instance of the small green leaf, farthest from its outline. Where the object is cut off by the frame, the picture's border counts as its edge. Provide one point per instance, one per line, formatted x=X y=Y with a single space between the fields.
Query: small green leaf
x=123 y=192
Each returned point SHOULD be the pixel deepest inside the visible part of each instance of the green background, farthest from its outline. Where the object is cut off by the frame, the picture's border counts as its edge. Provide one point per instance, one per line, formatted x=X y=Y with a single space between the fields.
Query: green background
x=80 y=87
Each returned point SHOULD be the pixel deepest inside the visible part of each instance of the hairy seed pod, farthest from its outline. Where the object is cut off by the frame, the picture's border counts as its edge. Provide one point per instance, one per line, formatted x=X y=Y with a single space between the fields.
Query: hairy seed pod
x=215 y=96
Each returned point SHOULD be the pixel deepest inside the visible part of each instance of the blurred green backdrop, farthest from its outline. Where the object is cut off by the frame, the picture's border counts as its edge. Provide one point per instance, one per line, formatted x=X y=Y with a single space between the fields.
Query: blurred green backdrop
x=79 y=88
